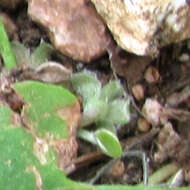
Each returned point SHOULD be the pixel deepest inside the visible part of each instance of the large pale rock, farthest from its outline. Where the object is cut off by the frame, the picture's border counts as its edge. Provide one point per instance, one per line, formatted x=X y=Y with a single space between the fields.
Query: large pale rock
x=142 y=26
x=74 y=27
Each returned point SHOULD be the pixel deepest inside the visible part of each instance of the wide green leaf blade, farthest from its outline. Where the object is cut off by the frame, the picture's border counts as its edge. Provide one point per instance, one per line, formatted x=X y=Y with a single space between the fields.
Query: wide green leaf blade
x=112 y=91
x=108 y=143
x=43 y=104
x=119 y=112
x=94 y=110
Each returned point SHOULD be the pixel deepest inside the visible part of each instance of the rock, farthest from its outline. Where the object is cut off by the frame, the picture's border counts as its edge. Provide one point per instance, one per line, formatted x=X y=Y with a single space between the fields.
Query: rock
x=10 y=4
x=142 y=27
x=74 y=27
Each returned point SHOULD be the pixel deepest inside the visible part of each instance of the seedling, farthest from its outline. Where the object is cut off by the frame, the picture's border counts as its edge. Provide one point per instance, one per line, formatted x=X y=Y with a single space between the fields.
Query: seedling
x=40 y=55
x=106 y=107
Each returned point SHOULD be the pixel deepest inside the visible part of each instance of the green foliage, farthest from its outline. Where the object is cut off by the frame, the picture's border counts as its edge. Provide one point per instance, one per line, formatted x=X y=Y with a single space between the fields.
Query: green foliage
x=40 y=55
x=87 y=85
x=21 y=168
x=106 y=107
x=43 y=101
x=112 y=91
x=16 y=53
x=5 y=49
x=20 y=165
x=108 y=142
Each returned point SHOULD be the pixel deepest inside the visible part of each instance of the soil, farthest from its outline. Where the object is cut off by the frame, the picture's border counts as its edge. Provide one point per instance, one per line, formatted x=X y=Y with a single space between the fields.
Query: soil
x=165 y=79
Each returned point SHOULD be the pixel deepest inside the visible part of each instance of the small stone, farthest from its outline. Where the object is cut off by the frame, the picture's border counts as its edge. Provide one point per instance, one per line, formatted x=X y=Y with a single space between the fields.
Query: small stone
x=73 y=26
x=143 y=125
x=152 y=111
x=118 y=168
x=143 y=26
x=138 y=91
x=152 y=75
x=184 y=57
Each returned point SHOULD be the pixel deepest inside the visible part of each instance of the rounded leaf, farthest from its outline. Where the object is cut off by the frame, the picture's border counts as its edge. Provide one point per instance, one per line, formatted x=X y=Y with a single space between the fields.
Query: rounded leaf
x=94 y=110
x=119 y=112
x=111 y=91
x=87 y=85
x=108 y=143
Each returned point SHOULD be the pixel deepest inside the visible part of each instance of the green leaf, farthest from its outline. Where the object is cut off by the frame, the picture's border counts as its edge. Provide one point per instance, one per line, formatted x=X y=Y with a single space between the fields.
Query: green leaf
x=106 y=124
x=43 y=103
x=16 y=157
x=108 y=143
x=22 y=53
x=5 y=49
x=41 y=54
x=87 y=85
x=94 y=110
x=87 y=136
x=112 y=91
x=119 y=112
x=5 y=116
x=21 y=168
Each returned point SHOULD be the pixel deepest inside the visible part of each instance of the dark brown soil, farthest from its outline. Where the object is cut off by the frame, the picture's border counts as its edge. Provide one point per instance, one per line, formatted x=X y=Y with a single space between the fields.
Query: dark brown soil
x=168 y=83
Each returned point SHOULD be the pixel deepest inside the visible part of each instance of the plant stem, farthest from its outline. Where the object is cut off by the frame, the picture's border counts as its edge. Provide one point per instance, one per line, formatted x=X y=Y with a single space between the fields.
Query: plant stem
x=162 y=174
x=5 y=49
x=87 y=136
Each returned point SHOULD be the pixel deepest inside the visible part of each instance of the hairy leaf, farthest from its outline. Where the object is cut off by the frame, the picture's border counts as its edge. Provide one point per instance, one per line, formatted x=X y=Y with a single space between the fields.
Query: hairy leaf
x=112 y=91
x=87 y=85
x=119 y=112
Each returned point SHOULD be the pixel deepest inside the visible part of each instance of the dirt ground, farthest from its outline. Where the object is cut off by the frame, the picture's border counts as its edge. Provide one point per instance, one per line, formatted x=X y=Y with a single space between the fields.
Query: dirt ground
x=161 y=130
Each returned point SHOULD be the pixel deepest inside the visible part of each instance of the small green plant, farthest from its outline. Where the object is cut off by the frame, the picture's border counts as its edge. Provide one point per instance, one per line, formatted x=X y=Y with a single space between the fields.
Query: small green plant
x=106 y=107
x=40 y=55
x=15 y=53
x=5 y=49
